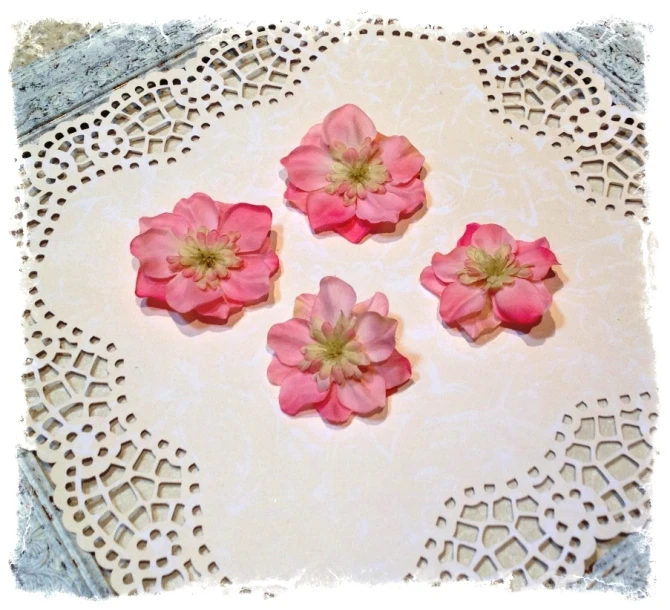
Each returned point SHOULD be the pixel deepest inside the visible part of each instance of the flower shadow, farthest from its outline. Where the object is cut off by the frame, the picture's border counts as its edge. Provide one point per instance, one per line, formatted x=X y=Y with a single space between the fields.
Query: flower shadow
x=384 y=232
x=387 y=232
x=191 y=324
x=531 y=335
x=552 y=320
x=372 y=419
x=483 y=339
x=379 y=416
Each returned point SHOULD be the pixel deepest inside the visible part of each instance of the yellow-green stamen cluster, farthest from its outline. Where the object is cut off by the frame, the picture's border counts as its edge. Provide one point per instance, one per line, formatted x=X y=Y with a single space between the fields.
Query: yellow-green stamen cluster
x=335 y=353
x=492 y=271
x=206 y=257
x=356 y=172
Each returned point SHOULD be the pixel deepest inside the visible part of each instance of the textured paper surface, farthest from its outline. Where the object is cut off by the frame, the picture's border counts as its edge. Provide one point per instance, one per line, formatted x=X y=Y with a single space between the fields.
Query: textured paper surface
x=287 y=497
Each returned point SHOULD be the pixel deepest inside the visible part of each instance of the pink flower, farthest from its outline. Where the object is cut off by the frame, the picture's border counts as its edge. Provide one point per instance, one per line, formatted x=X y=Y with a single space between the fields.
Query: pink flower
x=335 y=355
x=206 y=257
x=351 y=179
x=491 y=279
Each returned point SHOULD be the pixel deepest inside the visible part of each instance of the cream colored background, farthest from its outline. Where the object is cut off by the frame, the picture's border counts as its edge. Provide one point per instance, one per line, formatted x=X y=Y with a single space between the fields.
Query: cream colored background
x=292 y=497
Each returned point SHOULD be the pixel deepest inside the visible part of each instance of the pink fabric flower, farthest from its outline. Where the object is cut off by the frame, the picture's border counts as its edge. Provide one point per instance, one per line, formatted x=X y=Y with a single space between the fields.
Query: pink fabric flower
x=335 y=355
x=351 y=179
x=206 y=257
x=491 y=279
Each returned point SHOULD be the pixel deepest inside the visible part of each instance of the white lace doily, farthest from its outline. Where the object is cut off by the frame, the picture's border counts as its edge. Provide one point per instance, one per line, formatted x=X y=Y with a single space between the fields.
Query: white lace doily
x=172 y=461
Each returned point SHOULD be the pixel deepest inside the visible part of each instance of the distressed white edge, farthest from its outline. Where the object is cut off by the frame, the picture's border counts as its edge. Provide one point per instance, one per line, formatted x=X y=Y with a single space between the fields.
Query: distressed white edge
x=459 y=16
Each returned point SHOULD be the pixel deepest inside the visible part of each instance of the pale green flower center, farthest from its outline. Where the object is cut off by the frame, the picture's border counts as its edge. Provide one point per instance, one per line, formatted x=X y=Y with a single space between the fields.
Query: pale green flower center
x=354 y=173
x=335 y=353
x=492 y=271
x=206 y=257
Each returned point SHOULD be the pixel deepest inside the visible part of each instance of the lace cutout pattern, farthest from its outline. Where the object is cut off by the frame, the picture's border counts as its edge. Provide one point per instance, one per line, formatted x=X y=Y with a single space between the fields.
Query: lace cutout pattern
x=537 y=88
x=543 y=525
x=131 y=498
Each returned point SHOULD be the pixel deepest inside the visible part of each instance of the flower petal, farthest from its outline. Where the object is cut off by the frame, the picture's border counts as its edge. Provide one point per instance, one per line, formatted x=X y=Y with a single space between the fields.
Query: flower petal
x=378 y=303
x=349 y=125
x=147 y=287
x=545 y=295
x=355 y=230
x=173 y=222
x=335 y=297
x=332 y=410
x=400 y=158
x=490 y=237
x=364 y=396
x=521 y=302
x=286 y=339
x=448 y=266
x=152 y=249
x=459 y=300
x=313 y=137
x=537 y=254
x=183 y=295
x=466 y=238
x=377 y=335
x=413 y=193
x=297 y=197
x=250 y=282
x=252 y=222
x=199 y=210
x=307 y=167
x=298 y=392
x=278 y=371
x=396 y=370
x=431 y=282
x=396 y=201
x=266 y=247
x=271 y=261
x=303 y=306
x=326 y=211
x=219 y=309
x=475 y=324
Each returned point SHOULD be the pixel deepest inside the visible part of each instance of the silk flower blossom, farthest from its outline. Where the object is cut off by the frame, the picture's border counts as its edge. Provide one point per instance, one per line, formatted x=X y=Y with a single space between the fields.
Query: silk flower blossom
x=206 y=257
x=490 y=279
x=335 y=355
x=348 y=178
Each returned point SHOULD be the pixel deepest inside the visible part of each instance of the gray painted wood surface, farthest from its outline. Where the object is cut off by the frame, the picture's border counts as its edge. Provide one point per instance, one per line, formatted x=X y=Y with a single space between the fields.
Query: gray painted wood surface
x=616 y=50
x=47 y=558
x=79 y=77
